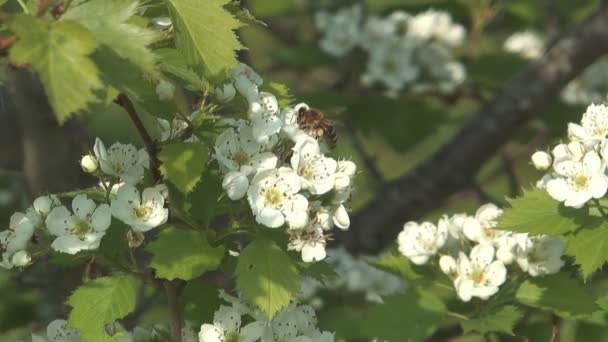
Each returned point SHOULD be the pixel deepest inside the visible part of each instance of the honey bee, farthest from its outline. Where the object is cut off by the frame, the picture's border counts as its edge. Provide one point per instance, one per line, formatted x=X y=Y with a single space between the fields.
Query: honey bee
x=315 y=124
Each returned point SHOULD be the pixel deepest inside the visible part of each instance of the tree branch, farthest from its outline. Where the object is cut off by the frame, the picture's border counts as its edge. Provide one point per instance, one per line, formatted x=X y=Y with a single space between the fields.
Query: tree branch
x=455 y=165
x=149 y=143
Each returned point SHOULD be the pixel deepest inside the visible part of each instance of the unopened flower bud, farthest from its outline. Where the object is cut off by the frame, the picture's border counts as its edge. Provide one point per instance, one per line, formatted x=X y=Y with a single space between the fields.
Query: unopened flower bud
x=225 y=93
x=164 y=191
x=576 y=149
x=541 y=160
x=165 y=90
x=21 y=259
x=89 y=163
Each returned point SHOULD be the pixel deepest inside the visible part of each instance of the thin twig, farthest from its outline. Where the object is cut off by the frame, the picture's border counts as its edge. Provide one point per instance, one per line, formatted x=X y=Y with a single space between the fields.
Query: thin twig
x=509 y=170
x=123 y=101
x=174 y=311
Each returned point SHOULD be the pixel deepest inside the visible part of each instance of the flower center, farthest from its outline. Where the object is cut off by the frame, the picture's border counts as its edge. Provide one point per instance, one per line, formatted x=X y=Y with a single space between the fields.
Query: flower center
x=273 y=197
x=141 y=211
x=307 y=171
x=232 y=336
x=581 y=181
x=241 y=158
x=80 y=229
x=478 y=276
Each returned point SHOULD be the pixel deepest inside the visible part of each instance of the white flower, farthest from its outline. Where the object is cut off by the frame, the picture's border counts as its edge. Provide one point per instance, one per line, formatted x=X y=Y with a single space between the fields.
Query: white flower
x=454 y=225
x=578 y=182
x=290 y=128
x=315 y=170
x=376 y=30
x=437 y=25
x=171 y=130
x=594 y=125
x=122 y=161
x=89 y=164
x=506 y=247
x=480 y=275
x=419 y=242
x=81 y=230
x=263 y=110
x=58 y=331
x=448 y=265
x=541 y=160
x=143 y=212
x=236 y=184
x=226 y=92
x=274 y=199
x=345 y=171
x=341 y=30
x=540 y=255
x=480 y=228
x=246 y=81
x=340 y=217
x=165 y=90
x=528 y=44
x=309 y=241
x=15 y=240
x=227 y=327
x=392 y=64
x=590 y=87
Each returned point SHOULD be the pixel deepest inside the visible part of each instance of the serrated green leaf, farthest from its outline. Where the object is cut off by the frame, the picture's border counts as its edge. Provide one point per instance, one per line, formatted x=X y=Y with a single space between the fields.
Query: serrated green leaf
x=205 y=196
x=205 y=34
x=282 y=93
x=108 y=21
x=537 y=213
x=172 y=62
x=412 y=316
x=59 y=53
x=183 y=254
x=559 y=293
x=267 y=276
x=183 y=164
x=242 y=13
x=101 y=301
x=589 y=247
x=501 y=320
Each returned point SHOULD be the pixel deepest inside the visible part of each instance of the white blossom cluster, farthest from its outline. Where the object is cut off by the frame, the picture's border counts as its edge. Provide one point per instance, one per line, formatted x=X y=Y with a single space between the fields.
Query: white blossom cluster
x=82 y=225
x=404 y=50
x=237 y=322
x=354 y=276
x=590 y=87
x=474 y=252
x=576 y=170
x=287 y=178
x=57 y=331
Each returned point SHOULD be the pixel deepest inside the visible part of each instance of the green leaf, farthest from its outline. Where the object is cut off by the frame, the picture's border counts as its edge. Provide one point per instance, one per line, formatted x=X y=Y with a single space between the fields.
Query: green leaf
x=183 y=254
x=172 y=62
x=397 y=264
x=589 y=247
x=204 y=199
x=183 y=164
x=205 y=34
x=282 y=93
x=101 y=301
x=412 y=316
x=559 y=293
x=267 y=276
x=59 y=52
x=501 y=320
x=536 y=212
x=108 y=21
x=200 y=301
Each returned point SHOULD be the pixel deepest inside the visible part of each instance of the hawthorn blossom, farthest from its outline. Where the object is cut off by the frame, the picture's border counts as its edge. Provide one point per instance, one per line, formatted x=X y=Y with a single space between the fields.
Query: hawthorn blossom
x=246 y=81
x=540 y=255
x=141 y=212
x=376 y=30
x=341 y=30
x=58 y=331
x=481 y=228
x=419 y=242
x=263 y=110
x=310 y=241
x=290 y=128
x=594 y=125
x=123 y=161
x=541 y=160
x=227 y=327
x=316 y=171
x=479 y=275
x=14 y=241
x=589 y=87
x=576 y=182
x=274 y=198
x=80 y=230
x=437 y=25
x=226 y=93
x=528 y=44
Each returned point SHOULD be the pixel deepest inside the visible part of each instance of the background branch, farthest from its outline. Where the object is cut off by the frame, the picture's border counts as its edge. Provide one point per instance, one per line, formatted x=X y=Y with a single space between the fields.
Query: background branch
x=456 y=163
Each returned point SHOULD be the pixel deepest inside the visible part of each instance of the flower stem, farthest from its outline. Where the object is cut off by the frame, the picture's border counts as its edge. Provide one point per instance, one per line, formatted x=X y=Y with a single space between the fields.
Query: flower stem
x=457 y=315
x=23 y=7
x=174 y=311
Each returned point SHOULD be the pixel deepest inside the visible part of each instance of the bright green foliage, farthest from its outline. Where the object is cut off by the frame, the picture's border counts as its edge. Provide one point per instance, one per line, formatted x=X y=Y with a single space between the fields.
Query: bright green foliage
x=108 y=21
x=282 y=93
x=537 y=213
x=204 y=197
x=183 y=254
x=172 y=62
x=99 y=302
x=204 y=33
x=183 y=164
x=267 y=276
x=500 y=320
x=412 y=316
x=589 y=247
x=559 y=293
x=59 y=52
